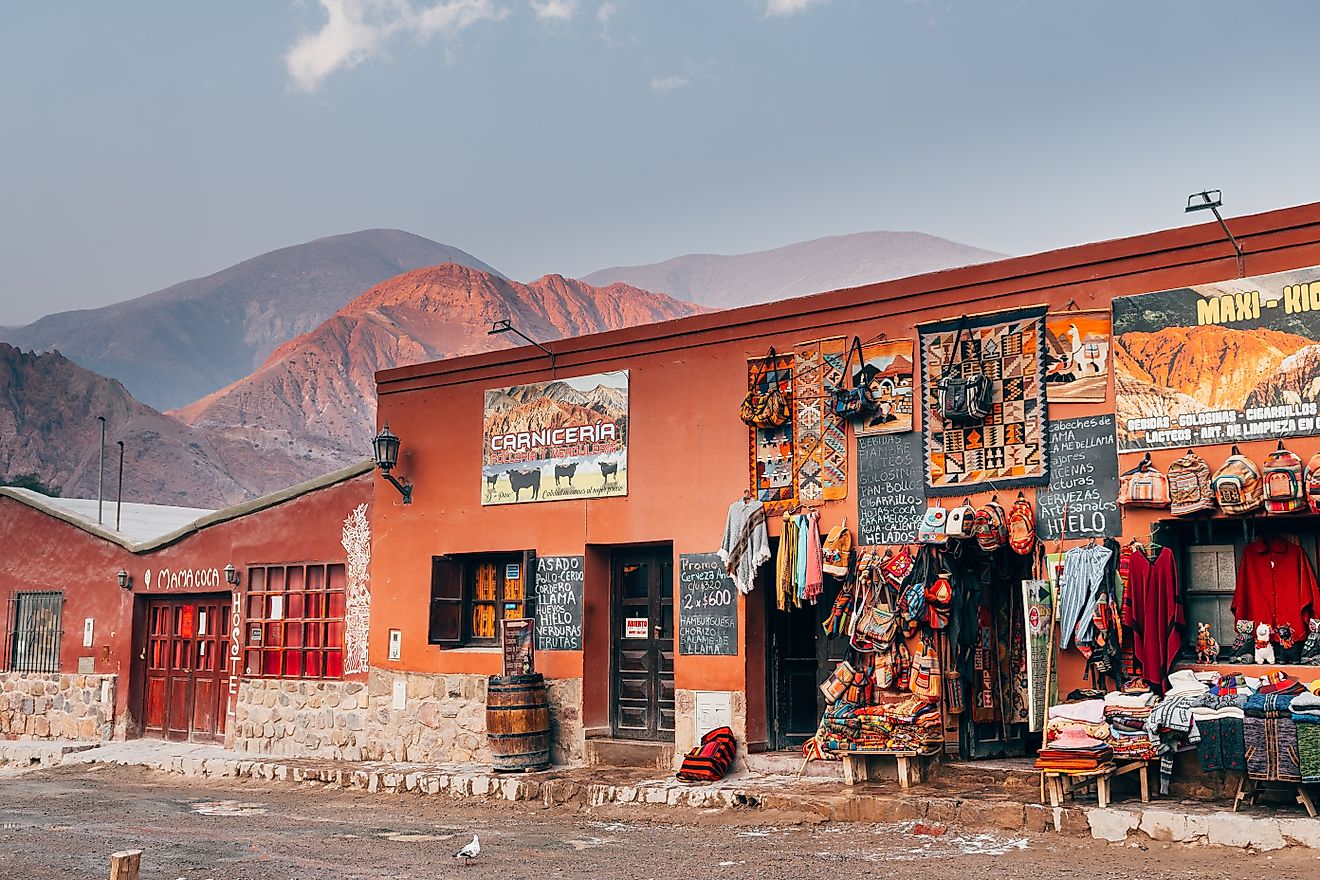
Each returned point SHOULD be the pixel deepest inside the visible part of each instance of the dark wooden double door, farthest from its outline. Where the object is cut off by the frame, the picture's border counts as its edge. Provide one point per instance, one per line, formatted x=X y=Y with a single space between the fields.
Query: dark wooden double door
x=799 y=657
x=185 y=667
x=642 y=643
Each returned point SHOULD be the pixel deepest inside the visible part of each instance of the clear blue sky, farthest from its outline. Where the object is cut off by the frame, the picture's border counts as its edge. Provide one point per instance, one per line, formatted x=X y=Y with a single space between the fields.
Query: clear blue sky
x=148 y=142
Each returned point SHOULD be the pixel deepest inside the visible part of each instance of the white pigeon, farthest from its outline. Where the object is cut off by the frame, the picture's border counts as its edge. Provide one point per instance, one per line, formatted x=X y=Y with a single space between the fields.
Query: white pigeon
x=469 y=852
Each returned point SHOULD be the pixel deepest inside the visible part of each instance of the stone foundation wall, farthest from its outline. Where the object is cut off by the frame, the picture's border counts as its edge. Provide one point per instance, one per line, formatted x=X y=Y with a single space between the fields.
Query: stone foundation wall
x=443 y=718
x=53 y=706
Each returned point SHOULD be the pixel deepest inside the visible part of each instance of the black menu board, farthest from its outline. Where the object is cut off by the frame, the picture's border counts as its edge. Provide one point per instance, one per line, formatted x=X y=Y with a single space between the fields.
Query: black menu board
x=707 y=606
x=891 y=494
x=559 y=603
x=1083 y=478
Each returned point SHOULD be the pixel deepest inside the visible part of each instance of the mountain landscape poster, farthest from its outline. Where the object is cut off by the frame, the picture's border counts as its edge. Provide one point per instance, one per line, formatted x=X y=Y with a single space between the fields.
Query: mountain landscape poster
x=552 y=441
x=886 y=371
x=1218 y=363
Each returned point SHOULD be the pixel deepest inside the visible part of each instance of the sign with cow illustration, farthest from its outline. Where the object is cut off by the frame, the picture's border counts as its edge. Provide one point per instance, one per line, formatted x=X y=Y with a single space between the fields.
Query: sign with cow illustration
x=556 y=441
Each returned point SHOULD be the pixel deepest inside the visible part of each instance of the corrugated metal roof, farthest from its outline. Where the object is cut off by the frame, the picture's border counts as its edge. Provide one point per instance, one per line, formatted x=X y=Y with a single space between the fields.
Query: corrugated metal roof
x=137 y=522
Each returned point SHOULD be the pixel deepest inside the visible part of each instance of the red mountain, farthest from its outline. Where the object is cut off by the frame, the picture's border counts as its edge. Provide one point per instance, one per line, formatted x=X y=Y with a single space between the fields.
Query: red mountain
x=315 y=395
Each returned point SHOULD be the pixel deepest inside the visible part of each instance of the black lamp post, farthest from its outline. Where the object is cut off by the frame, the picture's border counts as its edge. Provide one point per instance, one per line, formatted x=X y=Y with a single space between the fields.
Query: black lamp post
x=386 y=446
x=506 y=326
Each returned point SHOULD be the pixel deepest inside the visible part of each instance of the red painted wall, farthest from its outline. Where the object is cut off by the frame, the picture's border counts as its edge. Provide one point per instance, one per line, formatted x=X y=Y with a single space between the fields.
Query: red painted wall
x=46 y=553
x=688 y=455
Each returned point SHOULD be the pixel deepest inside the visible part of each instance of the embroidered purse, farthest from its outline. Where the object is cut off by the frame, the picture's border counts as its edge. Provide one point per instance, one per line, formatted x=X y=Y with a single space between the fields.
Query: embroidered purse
x=933 y=526
x=766 y=409
x=896 y=567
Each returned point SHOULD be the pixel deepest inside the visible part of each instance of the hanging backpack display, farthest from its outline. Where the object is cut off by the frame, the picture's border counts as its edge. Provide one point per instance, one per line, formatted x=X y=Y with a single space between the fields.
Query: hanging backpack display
x=1143 y=486
x=991 y=526
x=838 y=551
x=1022 y=527
x=1313 y=483
x=1284 y=483
x=1190 y=490
x=1237 y=485
x=963 y=400
x=933 y=526
x=962 y=520
x=766 y=409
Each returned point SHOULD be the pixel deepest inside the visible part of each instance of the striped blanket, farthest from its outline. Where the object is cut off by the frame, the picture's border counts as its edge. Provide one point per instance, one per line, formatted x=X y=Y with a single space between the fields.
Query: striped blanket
x=1272 y=749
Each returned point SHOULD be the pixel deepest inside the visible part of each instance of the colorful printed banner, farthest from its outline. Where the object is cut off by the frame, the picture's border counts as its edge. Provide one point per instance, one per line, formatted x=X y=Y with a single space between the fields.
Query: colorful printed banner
x=554 y=441
x=1218 y=363
x=887 y=372
x=1077 y=356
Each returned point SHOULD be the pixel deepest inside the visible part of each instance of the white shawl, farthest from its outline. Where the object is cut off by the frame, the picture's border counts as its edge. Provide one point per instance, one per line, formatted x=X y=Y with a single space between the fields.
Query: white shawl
x=746 y=545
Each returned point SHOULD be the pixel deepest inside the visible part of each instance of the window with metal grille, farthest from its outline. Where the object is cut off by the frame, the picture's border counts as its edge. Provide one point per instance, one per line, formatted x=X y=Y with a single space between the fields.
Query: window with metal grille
x=35 y=631
x=295 y=621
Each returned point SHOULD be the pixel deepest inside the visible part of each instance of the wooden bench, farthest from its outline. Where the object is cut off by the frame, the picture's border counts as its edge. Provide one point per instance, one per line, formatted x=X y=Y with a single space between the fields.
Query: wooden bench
x=912 y=764
x=1064 y=783
x=1249 y=791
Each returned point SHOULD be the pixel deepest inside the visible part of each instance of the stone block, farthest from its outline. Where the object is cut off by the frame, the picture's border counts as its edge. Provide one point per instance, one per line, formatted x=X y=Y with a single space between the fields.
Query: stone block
x=1004 y=815
x=1111 y=824
x=1240 y=830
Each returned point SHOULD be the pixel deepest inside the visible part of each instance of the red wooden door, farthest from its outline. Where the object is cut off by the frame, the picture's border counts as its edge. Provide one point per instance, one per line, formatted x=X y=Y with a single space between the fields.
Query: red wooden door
x=186 y=680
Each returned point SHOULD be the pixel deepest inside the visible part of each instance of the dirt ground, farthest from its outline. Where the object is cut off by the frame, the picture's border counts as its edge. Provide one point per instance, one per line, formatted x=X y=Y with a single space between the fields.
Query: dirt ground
x=65 y=822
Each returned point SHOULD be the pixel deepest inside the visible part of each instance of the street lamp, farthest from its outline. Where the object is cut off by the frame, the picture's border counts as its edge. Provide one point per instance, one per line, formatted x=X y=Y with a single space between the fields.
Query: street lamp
x=386 y=446
x=506 y=326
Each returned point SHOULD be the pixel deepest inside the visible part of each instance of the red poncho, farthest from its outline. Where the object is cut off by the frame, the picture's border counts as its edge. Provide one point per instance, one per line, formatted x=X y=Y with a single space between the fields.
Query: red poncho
x=1275 y=585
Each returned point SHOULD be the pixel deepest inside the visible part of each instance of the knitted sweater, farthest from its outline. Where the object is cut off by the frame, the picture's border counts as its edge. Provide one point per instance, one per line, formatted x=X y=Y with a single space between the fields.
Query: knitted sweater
x=746 y=545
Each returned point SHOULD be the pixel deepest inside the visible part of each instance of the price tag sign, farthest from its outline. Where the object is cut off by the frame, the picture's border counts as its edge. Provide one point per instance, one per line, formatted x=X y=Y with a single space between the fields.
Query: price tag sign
x=707 y=606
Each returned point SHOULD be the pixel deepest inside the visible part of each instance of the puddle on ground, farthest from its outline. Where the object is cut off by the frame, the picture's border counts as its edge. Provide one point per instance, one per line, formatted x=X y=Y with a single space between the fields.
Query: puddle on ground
x=227 y=808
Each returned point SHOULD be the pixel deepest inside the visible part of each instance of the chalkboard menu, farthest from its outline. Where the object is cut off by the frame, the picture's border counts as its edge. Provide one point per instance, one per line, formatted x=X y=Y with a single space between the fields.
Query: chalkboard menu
x=1083 y=478
x=891 y=494
x=559 y=603
x=707 y=606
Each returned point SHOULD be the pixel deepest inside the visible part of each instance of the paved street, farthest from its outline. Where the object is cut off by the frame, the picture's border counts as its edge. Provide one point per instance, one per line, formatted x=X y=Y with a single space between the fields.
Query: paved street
x=64 y=822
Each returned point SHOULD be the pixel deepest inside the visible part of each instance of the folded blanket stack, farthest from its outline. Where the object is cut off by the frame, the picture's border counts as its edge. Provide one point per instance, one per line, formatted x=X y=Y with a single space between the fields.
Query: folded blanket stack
x=909 y=724
x=1126 y=715
x=1074 y=751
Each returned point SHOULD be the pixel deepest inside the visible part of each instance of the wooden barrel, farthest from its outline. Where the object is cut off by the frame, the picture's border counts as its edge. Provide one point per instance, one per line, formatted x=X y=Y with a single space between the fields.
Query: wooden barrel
x=518 y=722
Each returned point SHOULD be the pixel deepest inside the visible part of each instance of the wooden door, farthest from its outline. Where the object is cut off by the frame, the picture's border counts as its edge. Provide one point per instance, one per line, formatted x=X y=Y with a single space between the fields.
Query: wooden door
x=799 y=658
x=186 y=682
x=643 y=639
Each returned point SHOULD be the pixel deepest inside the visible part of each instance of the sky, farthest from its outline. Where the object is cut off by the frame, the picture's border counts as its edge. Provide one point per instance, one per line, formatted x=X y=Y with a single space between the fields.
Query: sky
x=150 y=142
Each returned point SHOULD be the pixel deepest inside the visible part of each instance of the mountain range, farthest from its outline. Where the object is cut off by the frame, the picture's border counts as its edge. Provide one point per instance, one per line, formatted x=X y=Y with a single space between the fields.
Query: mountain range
x=173 y=346
x=798 y=269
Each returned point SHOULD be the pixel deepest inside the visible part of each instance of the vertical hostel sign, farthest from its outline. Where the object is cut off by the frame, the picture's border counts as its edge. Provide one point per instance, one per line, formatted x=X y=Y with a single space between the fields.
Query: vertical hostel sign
x=552 y=441
x=1218 y=363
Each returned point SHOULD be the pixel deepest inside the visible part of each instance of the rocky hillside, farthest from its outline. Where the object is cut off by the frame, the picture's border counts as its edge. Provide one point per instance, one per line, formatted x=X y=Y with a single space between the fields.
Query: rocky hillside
x=796 y=269
x=1218 y=366
x=48 y=428
x=315 y=396
x=171 y=347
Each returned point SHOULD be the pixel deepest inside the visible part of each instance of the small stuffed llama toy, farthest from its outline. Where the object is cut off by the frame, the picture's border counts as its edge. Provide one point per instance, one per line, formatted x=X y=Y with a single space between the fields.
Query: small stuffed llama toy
x=1242 y=649
x=1264 y=649
x=1207 y=649
x=1311 y=649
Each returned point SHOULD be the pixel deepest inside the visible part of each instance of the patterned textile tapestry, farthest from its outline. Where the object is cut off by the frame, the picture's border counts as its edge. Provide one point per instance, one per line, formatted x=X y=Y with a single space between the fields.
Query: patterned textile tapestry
x=820 y=439
x=1039 y=623
x=771 y=449
x=1008 y=449
x=1272 y=749
x=887 y=370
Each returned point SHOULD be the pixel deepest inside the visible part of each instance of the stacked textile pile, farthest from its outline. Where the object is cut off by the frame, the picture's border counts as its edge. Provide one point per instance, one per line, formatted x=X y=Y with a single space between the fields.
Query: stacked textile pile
x=1126 y=713
x=1086 y=717
x=909 y=724
x=1219 y=715
x=1072 y=750
x=1306 y=717
x=1271 y=734
x=1171 y=724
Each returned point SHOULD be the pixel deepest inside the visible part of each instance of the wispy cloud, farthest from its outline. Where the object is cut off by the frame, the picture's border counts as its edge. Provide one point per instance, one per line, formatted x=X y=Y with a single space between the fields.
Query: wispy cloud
x=356 y=30
x=669 y=83
x=789 y=7
x=554 y=10
x=605 y=11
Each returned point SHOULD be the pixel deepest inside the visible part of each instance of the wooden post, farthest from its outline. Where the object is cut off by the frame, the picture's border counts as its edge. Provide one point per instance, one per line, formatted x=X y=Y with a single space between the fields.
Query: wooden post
x=124 y=865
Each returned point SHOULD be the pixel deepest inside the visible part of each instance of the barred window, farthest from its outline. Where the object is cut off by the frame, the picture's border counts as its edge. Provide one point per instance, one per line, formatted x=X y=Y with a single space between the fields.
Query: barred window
x=295 y=621
x=35 y=631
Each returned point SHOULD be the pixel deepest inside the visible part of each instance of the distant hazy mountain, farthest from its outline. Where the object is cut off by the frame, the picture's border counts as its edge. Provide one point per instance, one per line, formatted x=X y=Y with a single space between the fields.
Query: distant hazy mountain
x=48 y=428
x=796 y=269
x=171 y=347
x=316 y=395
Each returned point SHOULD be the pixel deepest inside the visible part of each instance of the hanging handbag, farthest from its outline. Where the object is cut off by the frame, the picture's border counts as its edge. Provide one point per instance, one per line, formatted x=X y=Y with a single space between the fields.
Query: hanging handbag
x=939 y=602
x=896 y=567
x=766 y=409
x=876 y=623
x=851 y=398
x=962 y=520
x=963 y=400
x=839 y=681
x=925 y=680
